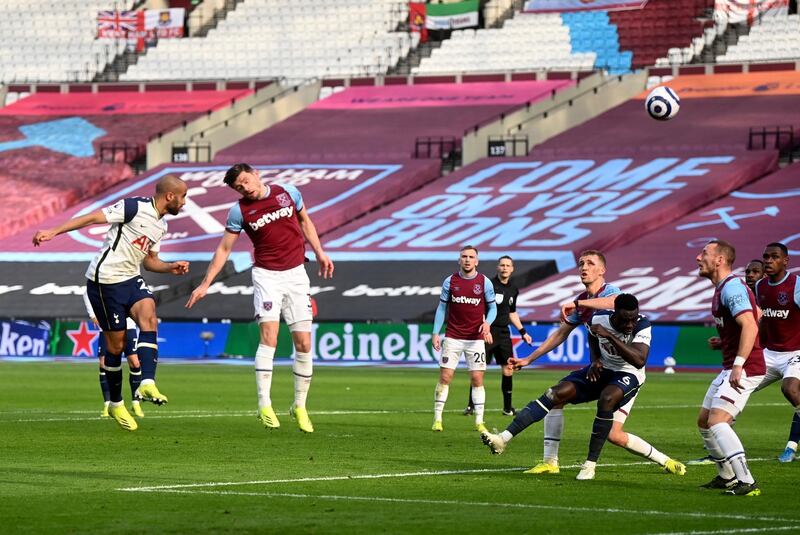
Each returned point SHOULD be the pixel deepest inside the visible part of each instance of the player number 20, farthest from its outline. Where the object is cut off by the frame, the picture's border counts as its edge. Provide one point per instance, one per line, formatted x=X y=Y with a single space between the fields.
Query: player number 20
x=479 y=358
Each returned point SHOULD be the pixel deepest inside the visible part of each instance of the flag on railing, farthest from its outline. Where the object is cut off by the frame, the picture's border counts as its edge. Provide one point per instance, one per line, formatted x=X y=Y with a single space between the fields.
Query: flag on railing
x=165 y=22
x=416 y=20
x=452 y=16
x=146 y=24
x=115 y=24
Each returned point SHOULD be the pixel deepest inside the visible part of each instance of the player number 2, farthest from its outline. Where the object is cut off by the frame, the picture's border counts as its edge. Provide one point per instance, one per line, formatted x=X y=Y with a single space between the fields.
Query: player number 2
x=143 y=285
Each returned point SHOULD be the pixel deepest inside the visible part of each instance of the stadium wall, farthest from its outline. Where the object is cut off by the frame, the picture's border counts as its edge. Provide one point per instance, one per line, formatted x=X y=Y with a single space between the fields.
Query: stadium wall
x=566 y=108
x=242 y=119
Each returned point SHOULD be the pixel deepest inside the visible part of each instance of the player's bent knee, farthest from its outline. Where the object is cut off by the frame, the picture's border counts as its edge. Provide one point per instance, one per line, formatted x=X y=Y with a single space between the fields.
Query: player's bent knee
x=719 y=416
x=791 y=391
x=618 y=438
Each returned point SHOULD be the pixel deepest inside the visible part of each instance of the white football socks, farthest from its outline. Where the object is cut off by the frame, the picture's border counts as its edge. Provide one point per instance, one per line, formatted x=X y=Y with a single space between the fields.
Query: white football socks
x=303 y=369
x=643 y=448
x=733 y=450
x=553 y=428
x=439 y=399
x=264 y=358
x=713 y=448
x=479 y=402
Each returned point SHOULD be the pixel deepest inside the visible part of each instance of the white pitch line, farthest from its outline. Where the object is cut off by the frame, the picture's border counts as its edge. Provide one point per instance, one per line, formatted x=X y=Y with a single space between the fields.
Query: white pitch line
x=422 y=473
x=504 y=505
x=354 y=412
x=726 y=531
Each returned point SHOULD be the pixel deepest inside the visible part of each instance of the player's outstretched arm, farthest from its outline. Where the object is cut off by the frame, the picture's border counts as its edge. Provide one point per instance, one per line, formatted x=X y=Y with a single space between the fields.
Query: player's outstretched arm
x=153 y=263
x=310 y=233
x=555 y=339
x=217 y=263
x=597 y=303
x=95 y=218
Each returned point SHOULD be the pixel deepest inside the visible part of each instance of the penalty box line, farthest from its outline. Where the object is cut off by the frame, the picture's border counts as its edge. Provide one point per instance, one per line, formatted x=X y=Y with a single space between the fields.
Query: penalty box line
x=504 y=505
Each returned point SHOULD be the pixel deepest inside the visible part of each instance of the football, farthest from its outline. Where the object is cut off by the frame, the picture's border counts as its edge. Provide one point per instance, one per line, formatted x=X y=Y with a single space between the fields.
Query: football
x=662 y=103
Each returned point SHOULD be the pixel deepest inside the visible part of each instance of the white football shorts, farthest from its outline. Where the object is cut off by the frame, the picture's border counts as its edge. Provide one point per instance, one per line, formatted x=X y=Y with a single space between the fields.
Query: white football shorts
x=721 y=395
x=780 y=364
x=286 y=293
x=621 y=414
x=474 y=352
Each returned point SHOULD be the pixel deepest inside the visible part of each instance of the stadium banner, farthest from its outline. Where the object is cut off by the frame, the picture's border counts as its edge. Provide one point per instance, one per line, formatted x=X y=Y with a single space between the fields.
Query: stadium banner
x=147 y=24
x=164 y=23
x=333 y=194
x=410 y=343
x=545 y=209
x=660 y=268
x=359 y=291
x=24 y=339
x=123 y=103
x=440 y=95
x=452 y=16
x=563 y=6
x=752 y=84
x=346 y=343
x=749 y=11
x=196 y=340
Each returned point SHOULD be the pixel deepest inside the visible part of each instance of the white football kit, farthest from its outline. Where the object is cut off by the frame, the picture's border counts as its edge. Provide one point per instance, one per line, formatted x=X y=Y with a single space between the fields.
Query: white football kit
x=136 y=229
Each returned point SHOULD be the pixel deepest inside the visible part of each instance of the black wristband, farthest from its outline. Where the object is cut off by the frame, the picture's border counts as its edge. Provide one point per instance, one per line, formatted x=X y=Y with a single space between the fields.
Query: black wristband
x=522 y=331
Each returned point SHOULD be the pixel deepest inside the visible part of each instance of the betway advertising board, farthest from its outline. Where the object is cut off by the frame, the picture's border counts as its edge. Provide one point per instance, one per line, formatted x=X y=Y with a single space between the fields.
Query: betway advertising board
x=545 y=209
x=660 y=268
x=359 y=291
x=333 y=195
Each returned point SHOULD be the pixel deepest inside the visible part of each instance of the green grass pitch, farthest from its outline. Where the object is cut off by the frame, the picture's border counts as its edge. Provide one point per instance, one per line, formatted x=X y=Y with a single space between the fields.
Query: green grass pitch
x=203 y=463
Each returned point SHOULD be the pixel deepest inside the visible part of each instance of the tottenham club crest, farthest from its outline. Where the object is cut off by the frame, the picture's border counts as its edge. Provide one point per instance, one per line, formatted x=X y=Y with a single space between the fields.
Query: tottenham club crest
x=284 y=199
x=477 y=289
x=783 y=299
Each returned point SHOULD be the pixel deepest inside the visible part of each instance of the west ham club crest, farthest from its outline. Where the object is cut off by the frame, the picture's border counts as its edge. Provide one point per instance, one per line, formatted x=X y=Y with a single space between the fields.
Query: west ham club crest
x=283 y=199
x=783 y=298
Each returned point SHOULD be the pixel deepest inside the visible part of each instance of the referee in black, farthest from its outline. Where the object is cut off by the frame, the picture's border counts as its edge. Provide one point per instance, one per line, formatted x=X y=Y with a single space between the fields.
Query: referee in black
x=501 y=348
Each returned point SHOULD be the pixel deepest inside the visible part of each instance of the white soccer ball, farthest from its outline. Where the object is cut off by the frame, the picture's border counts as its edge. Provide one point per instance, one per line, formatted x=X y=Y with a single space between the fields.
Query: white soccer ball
x=662 y=104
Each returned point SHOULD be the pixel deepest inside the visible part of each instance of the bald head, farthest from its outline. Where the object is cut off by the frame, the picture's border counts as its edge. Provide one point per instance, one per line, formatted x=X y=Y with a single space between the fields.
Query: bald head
x=170 y=194
x=170 y=183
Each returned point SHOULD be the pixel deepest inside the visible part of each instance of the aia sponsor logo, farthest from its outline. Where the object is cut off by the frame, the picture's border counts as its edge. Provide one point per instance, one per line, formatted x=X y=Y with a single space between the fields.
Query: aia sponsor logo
x=142 y=243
